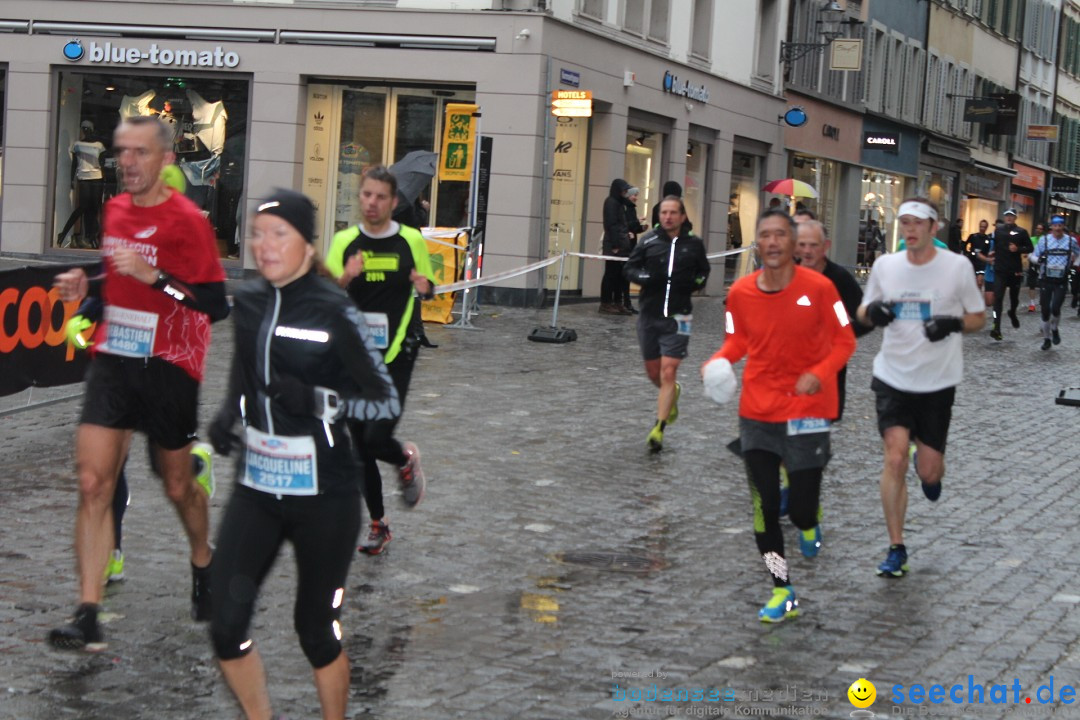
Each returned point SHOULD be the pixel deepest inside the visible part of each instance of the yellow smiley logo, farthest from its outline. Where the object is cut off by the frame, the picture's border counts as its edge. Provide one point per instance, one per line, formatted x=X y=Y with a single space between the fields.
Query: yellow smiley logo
x=862 y=693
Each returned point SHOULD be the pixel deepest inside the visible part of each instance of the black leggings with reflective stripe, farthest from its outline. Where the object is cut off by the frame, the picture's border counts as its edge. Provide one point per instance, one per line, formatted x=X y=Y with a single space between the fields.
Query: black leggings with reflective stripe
x=763 y=474
x=322 y=529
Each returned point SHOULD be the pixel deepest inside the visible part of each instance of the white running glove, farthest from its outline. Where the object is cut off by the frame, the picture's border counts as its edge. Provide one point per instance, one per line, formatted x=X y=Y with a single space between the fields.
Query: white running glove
x=720 y=382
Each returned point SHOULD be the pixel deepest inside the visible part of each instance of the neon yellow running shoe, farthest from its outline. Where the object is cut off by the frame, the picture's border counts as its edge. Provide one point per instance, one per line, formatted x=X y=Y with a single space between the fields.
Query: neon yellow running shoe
x=202 y=457
x=674 y=414
x=114 y=569
x=782 y=605
x=655 y=441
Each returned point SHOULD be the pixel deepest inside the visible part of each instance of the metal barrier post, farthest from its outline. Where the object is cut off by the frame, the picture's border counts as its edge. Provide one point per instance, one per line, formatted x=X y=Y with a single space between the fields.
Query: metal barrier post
x=555 y=334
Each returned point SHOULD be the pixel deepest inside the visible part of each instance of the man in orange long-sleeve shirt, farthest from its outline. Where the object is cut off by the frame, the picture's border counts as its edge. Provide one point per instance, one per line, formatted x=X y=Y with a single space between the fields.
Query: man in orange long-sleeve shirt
x=792 y=326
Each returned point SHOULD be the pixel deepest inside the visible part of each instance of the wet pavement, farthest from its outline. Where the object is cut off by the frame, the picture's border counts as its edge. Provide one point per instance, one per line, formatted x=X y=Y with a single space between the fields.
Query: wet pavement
x=555 y=564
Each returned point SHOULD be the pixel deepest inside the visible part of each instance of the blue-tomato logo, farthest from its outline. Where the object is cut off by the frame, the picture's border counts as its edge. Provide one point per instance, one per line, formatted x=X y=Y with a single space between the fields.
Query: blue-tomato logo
x=73 y=51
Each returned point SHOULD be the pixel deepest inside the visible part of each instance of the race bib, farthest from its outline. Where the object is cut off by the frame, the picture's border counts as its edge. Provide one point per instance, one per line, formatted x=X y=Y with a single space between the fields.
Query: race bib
x=129 y=332
x=684 y=323
x=280 y=465
x=378 y=326
x=913 y=307
x=808 y=426
x=1055 y=272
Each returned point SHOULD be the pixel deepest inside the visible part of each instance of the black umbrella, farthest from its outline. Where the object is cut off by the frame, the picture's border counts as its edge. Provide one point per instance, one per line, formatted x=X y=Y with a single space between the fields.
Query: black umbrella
x=414 y=173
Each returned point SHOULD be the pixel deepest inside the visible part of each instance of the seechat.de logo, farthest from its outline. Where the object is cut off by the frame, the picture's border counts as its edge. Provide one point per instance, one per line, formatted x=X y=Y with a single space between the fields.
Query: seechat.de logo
x=73 y=50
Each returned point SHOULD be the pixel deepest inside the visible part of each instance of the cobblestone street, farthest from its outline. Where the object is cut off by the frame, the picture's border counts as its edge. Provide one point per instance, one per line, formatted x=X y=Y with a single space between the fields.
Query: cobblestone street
x=488 y=604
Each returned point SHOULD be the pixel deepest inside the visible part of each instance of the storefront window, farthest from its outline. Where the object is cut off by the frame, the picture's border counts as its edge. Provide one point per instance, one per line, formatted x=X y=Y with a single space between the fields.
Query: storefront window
x=642 y=169
x=882 y=194
x=745 y=203
x=694 y=191
x=823 y=176
x=376 y=125
x=3 y=113
x=976 y=210
x=209 y=118
x=938 y=189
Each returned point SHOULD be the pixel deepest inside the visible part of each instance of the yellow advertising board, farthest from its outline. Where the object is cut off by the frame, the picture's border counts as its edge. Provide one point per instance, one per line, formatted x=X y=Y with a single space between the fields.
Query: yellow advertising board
x=445 y=262
x=459 y=142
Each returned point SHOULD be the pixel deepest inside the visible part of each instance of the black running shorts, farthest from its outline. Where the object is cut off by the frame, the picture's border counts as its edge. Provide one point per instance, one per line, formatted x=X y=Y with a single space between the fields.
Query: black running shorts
x=925 y=415
x=149 y=395
x=798 y=452
x=659 y=336
x=1032 y=276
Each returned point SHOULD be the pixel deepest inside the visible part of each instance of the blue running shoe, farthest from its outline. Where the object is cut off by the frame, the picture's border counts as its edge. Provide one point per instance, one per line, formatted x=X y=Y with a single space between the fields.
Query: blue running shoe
x=810 y=541
x=895 y=564
x=782 y=605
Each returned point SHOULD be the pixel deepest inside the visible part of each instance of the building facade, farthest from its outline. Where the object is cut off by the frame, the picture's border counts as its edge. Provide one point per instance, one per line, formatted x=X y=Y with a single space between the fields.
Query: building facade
x=265 y=95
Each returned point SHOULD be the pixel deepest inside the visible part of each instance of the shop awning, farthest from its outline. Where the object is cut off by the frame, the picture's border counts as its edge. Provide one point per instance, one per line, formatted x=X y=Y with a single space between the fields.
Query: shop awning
x=1065 y=204
x=952 y=152
x=1007 y=172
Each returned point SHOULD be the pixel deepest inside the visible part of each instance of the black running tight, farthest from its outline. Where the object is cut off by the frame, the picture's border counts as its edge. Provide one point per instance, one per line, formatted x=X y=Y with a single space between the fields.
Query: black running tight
x=763 y=474
x=374 y=440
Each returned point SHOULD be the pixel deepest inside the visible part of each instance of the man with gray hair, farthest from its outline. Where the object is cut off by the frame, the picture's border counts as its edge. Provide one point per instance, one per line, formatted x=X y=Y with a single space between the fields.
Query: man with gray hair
x=812 y=248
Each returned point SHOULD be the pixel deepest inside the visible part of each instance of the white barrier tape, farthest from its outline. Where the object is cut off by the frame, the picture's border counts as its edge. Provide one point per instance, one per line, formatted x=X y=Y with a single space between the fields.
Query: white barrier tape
x=487 y=279
x=712 y=256
x=726 y=253
x=466 y=284
x=598 y=257
x=447 y=244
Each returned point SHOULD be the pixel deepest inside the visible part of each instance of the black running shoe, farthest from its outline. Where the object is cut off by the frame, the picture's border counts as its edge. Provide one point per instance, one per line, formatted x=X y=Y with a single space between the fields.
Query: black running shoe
x=1057 y=337
x=200 y=594
x=1046 y=344
x=82 y=633
x=996 y=334
x=1013 y=319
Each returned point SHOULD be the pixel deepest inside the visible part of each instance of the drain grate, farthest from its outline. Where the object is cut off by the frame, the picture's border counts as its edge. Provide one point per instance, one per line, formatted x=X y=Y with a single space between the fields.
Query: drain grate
x=613 y=561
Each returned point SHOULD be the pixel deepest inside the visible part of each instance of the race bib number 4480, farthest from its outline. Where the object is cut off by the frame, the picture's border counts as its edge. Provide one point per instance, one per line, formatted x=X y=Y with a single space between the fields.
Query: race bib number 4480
x=129 y=332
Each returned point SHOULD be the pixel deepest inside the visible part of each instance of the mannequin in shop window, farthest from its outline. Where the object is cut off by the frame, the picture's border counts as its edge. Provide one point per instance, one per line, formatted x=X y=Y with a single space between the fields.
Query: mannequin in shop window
x=89 y=186
x=202 y=165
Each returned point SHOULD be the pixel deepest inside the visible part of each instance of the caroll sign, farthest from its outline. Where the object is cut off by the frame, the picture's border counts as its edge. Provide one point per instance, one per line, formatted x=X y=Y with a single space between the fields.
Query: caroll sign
x=153 y=55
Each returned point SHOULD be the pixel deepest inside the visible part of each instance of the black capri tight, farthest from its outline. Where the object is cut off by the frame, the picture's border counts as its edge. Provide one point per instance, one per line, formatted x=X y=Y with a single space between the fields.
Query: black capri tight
x=322 y=530
x=374 y=440
x=763 y=473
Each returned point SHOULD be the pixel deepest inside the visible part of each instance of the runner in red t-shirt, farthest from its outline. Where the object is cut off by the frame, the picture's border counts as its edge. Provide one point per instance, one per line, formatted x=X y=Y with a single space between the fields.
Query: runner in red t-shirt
x=163 y=286
x=795 y=332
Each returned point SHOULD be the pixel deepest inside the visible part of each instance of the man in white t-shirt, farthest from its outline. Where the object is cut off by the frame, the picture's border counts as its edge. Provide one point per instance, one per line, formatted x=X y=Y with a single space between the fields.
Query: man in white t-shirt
x=924 y=298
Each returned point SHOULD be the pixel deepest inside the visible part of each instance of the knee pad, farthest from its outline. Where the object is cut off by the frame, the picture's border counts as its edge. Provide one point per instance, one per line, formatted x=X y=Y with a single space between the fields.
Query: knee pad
x=321 y=646
x=229 y=644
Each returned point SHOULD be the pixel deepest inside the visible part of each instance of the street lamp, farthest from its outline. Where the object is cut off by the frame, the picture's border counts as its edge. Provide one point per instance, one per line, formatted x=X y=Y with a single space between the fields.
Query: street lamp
x=830 y=28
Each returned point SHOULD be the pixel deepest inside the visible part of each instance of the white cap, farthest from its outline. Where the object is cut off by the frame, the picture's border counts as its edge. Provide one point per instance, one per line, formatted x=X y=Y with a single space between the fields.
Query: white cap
x=918 y=209
x=720 y=382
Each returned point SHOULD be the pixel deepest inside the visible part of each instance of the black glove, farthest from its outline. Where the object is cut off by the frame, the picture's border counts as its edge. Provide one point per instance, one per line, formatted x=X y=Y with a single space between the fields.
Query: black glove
x=940 y=327
x=298 y=398
x=222 y=437
x=880 y=313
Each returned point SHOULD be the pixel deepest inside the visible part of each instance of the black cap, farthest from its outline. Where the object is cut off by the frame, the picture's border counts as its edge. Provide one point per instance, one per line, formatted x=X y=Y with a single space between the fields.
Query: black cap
x=293 y=207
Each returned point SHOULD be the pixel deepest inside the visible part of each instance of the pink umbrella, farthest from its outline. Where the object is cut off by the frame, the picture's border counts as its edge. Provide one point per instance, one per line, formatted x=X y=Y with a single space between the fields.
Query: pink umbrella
x=791 y=186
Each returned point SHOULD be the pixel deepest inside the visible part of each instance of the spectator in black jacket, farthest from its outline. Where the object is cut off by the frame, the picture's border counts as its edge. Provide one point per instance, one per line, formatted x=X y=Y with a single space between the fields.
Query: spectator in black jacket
x=633 y=223
x=616 y=244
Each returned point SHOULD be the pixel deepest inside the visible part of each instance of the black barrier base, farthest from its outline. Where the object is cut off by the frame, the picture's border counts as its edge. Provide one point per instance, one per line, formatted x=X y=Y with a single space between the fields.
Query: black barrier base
x=553 y=335
x=1068 y=396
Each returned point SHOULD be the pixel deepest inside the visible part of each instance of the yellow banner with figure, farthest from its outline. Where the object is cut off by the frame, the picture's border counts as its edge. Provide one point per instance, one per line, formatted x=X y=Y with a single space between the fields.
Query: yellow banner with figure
x=458 y=142
x=445 y=261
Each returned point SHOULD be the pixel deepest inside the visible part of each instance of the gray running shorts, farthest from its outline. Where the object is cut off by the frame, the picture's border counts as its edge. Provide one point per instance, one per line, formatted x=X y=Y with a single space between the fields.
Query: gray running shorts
x=658 y=336
x=798 y=452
